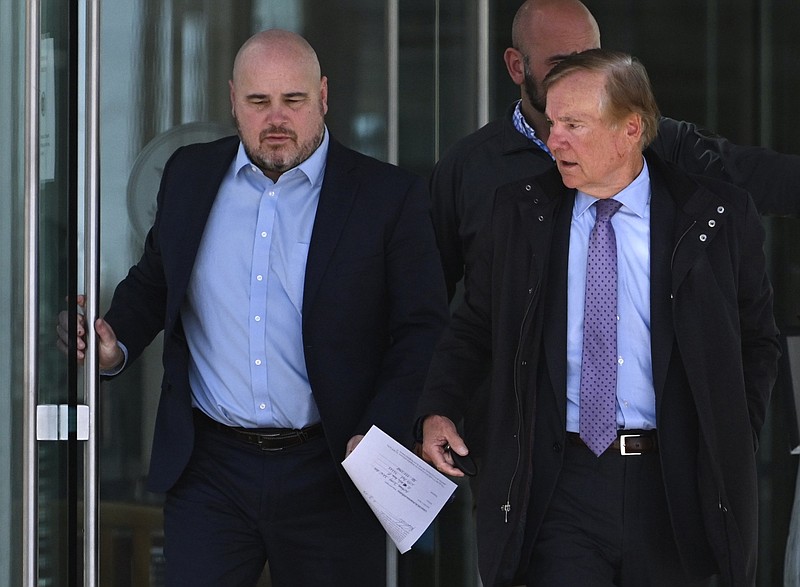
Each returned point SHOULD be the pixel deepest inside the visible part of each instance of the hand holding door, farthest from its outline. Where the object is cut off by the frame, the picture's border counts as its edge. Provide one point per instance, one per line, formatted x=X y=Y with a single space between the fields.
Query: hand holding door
x=110 y=355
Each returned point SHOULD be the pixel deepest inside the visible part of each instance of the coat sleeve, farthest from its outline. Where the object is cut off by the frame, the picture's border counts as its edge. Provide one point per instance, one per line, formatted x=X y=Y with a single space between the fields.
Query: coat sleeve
x=445 y=187
x=138 y=306
x=463 y=356
x=759 y=333
x=772 y=178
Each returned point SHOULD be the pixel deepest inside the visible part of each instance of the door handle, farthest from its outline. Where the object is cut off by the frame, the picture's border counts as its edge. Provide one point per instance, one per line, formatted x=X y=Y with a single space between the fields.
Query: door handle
x=52 y=422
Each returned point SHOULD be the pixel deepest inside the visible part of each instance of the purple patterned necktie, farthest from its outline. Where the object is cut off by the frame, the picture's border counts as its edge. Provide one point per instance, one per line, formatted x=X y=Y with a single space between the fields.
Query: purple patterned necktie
x=598 y=410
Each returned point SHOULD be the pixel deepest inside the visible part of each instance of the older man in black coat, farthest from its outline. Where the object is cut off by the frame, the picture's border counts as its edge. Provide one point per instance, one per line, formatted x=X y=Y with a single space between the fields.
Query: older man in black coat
x=673 y=500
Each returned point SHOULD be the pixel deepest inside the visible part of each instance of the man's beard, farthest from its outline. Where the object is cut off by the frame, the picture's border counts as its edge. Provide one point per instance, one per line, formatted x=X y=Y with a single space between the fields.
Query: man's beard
x=533 y=91
x=278 y=160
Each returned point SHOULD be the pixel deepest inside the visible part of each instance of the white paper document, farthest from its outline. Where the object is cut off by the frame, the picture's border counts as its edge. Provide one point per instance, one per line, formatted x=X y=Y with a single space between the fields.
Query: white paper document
x=404 y=491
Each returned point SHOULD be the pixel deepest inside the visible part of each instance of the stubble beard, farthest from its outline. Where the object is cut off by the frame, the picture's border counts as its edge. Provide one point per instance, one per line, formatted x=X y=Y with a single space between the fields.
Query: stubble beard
x=533 y=91
x=284 y=157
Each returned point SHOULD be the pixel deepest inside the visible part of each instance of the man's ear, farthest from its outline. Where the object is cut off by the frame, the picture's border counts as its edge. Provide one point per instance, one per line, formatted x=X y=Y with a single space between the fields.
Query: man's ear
x=233 y=98
x=323 y=93
x=515 y=64
x=633 y=128
x=631 y=137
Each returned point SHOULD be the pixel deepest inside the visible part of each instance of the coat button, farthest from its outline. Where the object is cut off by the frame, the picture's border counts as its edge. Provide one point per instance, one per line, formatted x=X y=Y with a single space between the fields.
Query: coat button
x=720 y=209
x=556 y=447
x=712 y=223
x=541 y=218
x=528 y=188
x=703 y=238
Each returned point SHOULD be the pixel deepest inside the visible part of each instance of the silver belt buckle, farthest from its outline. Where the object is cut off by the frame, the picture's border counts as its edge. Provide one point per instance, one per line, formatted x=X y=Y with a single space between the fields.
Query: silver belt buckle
x=622 y=445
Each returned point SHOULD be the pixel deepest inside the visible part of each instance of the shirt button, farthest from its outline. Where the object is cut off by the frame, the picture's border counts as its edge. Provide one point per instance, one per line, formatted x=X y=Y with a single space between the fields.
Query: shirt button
x=258 y=361
x=620 y=360
x=264 y=234
x=263 y=406
x=259 y=277
x=272 y=193
x=258 y=318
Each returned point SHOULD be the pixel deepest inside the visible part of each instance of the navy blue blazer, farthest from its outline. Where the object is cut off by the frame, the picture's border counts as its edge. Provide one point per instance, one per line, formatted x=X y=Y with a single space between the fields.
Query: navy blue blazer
x=373 y=307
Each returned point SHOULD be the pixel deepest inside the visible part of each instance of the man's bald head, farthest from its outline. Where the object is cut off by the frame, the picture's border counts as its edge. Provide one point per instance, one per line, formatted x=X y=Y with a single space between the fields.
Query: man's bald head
x=277 y=44
x=543 y=33
x=278 y=100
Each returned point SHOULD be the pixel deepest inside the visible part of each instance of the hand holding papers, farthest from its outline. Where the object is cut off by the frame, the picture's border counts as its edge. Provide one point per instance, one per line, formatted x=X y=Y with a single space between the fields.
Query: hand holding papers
x=403 y=491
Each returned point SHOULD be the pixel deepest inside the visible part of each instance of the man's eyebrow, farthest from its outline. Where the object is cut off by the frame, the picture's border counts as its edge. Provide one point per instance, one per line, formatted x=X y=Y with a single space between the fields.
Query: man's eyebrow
x=259 y=96
x=570 y=118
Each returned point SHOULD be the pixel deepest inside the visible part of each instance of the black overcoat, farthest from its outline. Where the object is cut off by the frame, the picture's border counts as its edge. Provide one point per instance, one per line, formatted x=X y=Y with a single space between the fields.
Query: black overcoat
x=714 y=348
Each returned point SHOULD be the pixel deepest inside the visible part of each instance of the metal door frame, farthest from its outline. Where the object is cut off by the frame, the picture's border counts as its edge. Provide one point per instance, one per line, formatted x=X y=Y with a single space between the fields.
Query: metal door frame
x=30 y=514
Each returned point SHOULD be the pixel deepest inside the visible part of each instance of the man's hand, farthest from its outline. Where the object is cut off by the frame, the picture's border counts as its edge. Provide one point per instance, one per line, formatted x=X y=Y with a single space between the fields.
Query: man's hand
x=439 y=438
x=109 y=353
x=352 y=444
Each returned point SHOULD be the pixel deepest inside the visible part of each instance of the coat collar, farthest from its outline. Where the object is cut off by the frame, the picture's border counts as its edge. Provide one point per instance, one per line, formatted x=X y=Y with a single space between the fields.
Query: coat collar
x=699 y=215
x=512 y=139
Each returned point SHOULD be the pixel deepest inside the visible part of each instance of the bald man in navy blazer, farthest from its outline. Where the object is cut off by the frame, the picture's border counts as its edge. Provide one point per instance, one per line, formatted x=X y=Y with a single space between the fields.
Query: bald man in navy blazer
x=300 y=292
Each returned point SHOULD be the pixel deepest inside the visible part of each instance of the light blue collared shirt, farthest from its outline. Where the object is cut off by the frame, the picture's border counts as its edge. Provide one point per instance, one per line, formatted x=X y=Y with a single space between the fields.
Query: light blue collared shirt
x=635 y=393
x=243 y=310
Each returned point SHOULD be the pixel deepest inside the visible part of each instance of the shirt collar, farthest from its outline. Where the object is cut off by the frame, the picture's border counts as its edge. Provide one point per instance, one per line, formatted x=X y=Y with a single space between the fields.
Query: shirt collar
x=526 y=129
x=635 y=196
x=313 y=167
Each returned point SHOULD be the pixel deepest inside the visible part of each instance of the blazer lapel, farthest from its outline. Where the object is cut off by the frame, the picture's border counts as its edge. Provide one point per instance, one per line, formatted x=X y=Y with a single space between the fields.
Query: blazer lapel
x=199 y=191
x=336 y=198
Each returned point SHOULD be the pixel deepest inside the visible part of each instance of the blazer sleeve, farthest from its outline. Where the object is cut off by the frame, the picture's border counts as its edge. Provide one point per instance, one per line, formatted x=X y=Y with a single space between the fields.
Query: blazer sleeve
x=138 y=306
x=417 y=314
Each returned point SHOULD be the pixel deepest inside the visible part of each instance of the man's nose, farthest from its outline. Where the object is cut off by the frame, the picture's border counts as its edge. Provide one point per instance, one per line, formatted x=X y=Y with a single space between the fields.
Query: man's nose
x=555 y=139
x=275 y=113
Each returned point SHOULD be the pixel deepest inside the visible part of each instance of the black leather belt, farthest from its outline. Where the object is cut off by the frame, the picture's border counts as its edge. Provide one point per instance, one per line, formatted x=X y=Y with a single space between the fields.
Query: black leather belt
x=267 y=439
x=628 y=442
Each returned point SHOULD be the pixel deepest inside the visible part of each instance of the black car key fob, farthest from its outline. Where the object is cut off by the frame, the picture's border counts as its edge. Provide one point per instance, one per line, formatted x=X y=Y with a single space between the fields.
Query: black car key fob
x=466 y=464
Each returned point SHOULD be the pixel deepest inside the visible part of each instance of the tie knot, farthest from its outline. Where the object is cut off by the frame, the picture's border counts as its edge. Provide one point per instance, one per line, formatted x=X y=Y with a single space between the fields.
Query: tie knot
x=606 y=208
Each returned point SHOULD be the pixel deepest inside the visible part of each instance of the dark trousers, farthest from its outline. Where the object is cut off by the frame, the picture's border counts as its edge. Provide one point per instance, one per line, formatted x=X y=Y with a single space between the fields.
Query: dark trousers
x=235 y=507
x=607 y=525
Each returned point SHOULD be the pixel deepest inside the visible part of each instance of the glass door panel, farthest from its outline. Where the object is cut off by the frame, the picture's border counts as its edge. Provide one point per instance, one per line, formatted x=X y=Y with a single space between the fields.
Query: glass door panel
x=59 y=554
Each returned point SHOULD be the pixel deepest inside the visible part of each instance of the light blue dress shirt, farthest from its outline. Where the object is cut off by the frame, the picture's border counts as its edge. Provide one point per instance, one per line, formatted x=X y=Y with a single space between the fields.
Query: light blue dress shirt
x=635 y=394
x=243 y=310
